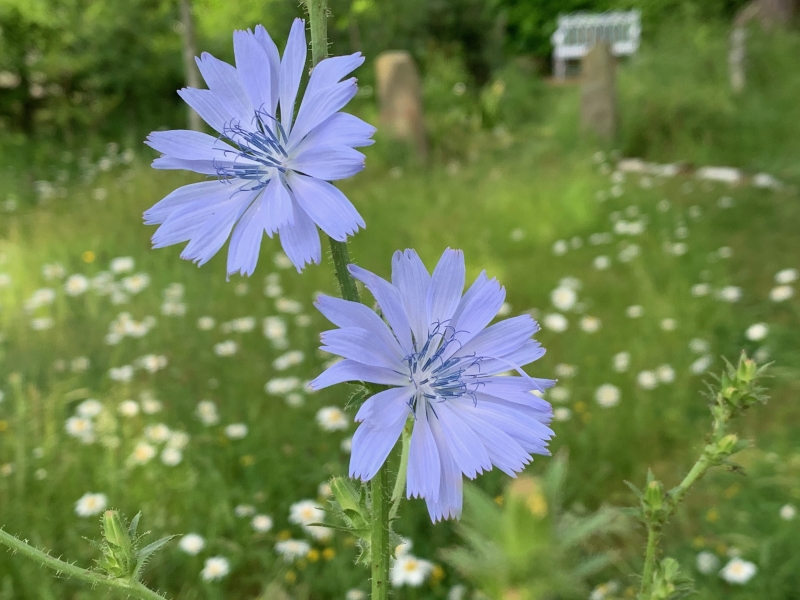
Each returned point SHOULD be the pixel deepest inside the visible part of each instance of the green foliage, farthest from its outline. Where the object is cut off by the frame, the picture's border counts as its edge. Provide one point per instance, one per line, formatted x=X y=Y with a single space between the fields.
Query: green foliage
x=526 y=544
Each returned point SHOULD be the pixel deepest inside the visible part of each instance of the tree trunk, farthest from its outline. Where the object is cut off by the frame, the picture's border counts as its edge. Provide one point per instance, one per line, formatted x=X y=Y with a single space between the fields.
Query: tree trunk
x=189 y=52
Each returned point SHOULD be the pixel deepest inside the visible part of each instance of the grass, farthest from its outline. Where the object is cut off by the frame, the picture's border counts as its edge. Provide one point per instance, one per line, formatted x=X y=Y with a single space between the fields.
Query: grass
x=506 y=200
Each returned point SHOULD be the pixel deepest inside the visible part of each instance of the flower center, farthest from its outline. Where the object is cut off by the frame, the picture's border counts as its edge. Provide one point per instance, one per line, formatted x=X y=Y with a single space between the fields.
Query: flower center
x=438 y=376
x=264 y=146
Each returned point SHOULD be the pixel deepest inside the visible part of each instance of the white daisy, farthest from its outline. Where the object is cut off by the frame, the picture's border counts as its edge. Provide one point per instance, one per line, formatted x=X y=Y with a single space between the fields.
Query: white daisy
x=738 y=571
x=261 y=523
x=215 y=568
x=192 y=544
x=90 y=504
x=607 y=395
x=332 y=418
x=410 y=570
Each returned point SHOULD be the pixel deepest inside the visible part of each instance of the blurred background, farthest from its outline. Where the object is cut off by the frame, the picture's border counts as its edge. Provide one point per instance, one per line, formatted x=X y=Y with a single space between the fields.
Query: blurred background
x=642 y=205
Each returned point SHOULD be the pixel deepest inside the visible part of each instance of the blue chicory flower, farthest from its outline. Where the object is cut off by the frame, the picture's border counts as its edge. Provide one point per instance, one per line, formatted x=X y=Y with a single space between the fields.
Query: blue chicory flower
x=442 y=365
x=270 y=165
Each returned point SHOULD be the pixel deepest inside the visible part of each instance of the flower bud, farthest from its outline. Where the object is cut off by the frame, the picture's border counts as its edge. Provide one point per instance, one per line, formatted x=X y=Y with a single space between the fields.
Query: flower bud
x=747 y=370
x=346 y=494
x=114 y=529
x=654 y=495
x=727 y=444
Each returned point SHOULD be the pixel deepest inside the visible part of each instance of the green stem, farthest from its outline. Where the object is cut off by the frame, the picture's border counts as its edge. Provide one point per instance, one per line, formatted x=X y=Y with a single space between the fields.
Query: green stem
x=131 y=588
x=318 y=17
x=653 y=534
x=380 y=536
x=400 y=482
x=698 y=470
x=341 y=258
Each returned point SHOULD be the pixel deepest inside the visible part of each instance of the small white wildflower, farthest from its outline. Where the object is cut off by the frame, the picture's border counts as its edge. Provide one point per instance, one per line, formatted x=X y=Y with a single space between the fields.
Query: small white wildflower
x=79 y=427
x=590 y=324
x=244 y=510
x=410 y=570
x=738 y=571
x=607 y=395
x=565 y=370
x=701 y=289
x=89 y=408
x=215 y=568
x=207 y=412
x=706 y=562
x=122 y=264
x=292 y=549
x=76 y=285
x=647 y=380
x=205 y=323
x=563 y=298
x=347 y=445
x=261 y=523
x=226 y=348
x=171 y=456
x=157 y=433
x=781 y=293
x=281 y=385
x=178 y=440
x=701 y=365
x=601 y=263
x=135 y=283
x=634 y=312
x=757 y=332
x=786 y=276
x=80 y=364
x=236 y=431
x=730 y=293
x=562 y=413
x=556 y=322
x=560 y=247
x=142 y=454
x=128 y=408
x=665 y=374
x=90 y=504
x=287 y=305
x=122 y=374
x=290 y=359
x=668 y=324
x=332 y=418
x=788 y=512
x=621 y=361
x=192 y=544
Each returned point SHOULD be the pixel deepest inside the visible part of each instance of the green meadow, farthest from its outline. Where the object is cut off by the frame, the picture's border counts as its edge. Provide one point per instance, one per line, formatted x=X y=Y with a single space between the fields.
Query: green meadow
x=642 y=280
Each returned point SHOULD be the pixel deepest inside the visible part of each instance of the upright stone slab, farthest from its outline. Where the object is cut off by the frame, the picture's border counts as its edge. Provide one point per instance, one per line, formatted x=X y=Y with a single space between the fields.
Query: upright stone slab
x=598 y=92
x=400 y=97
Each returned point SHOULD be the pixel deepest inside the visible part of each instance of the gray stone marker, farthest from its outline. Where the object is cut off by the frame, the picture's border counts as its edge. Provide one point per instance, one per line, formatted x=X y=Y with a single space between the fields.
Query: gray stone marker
x=598 y=92
x=400 y=97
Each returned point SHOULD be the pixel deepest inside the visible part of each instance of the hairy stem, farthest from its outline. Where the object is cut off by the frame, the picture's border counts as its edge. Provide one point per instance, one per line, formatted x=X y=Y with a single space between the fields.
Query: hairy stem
x=380 y=536
x=653 y=535
x=318 y=17
x=131 y=588
x=341 y=258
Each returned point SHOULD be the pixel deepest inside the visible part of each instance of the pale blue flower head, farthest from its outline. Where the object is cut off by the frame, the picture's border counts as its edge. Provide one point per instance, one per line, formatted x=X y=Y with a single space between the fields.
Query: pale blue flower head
x=442 y=365
x=270 y=165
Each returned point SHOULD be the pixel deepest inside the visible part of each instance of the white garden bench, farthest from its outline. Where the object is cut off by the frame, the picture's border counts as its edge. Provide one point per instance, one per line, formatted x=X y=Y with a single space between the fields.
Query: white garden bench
x=578 y=32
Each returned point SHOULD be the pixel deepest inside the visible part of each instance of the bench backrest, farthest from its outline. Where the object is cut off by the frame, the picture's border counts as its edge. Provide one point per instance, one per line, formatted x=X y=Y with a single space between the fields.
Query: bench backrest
x=578 y=32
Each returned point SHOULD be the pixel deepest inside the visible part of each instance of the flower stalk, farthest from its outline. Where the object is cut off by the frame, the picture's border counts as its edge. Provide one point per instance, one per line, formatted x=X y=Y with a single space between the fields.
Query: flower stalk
x=379 y=527
x=129 y=585
x=736 y=390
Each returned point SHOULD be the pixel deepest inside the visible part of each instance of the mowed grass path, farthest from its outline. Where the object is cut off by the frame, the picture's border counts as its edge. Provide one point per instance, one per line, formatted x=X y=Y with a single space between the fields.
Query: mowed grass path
x=506 y=210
